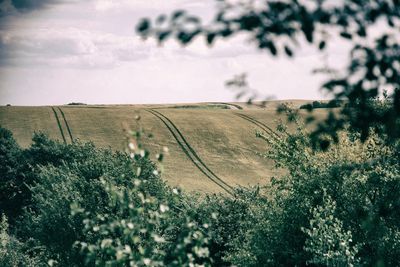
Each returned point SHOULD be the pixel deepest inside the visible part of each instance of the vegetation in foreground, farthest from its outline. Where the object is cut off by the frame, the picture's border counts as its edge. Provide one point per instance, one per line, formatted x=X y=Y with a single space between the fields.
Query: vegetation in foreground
x=75 y=205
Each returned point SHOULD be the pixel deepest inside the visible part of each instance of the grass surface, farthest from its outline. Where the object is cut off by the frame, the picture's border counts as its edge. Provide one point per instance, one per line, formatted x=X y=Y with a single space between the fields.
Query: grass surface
x=191 y=153
x=210 y=149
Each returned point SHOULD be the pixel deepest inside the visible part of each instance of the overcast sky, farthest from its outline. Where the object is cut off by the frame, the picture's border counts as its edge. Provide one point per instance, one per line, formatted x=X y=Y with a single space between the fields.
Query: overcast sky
x=56 y=52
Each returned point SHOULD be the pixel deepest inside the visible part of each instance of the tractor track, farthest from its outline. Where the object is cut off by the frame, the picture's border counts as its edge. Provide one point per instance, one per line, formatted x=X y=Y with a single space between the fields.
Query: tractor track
x=261 y=125
x=59 y=125
x=228 y=104
x=66 y=124
x=190 y=153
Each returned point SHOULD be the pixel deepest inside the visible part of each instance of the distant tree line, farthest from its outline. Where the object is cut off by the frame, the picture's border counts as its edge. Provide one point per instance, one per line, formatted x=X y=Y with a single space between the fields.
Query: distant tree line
x=76 y=104
x=322 y=104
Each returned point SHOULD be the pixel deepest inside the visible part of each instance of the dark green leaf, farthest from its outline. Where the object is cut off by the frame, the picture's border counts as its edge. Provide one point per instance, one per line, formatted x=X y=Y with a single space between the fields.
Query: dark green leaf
x=346 y=35
x=390 y=22
x=210 y=38
x=177 y=14
x=322 y=45
x=163 y=35
x=272 y=48
x=143 y=26
x=226 y=32
x=361 y=32
x=288 y=51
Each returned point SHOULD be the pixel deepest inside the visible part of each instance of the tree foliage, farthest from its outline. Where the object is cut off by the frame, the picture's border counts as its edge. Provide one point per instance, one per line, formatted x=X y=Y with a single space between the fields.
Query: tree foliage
x=372 y=27
x=81 y=205
x=347 y=188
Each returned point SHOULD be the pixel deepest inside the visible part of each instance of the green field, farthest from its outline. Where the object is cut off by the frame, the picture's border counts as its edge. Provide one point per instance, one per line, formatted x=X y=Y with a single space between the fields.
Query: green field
x=212 y=146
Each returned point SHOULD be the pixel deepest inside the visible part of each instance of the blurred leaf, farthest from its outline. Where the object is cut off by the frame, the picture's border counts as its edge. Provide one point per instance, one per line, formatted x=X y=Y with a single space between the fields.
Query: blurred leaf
x=390 y=22
x=163 y=35
x=272 y=48
x=346 y=35
x=192 y=19
x=288 y=51
x=361 y=31
x=322 y=45
x=177 y=14
x=210 y=38
x=226 y=32
x=143 y=26
x=250 y=21
x=161 y=19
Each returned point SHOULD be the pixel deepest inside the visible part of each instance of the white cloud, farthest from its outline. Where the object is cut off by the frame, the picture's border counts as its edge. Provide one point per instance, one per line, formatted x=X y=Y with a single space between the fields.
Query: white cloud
x=74 y=47
x=97 y=39
x=105 y=5
x=70 y=47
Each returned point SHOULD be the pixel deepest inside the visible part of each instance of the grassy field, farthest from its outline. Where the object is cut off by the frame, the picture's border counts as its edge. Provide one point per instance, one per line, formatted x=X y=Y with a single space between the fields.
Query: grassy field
x=212 y=146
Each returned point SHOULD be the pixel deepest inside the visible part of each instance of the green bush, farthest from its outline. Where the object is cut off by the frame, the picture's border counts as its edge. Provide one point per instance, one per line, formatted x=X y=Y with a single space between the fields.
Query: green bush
x=77 y=180
x=14 y=253
x=137 y=232
x=12 y=193
x=69 y=188
x=360 y=178
x=333 y=208
x=327 y=241
x=230 y=218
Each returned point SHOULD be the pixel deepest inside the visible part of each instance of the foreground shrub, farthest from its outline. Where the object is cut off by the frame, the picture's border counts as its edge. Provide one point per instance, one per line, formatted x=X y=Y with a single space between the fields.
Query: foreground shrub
x=360 y=181
x=12 y=189
x=135 y=233
x=83 y=205
x=14 y=253
x=230 y=219
x=328 y=243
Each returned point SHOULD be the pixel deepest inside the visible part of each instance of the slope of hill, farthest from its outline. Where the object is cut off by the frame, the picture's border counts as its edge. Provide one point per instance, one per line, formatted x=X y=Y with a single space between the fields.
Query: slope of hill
x=212 y=146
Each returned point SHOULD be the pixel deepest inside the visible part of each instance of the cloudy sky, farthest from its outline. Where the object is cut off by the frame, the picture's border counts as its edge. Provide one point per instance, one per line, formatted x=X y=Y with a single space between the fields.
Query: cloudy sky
x=61 y=51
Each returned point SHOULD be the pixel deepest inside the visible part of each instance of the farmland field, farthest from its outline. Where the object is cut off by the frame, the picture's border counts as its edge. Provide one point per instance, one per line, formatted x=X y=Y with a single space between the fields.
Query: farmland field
x=212 y=146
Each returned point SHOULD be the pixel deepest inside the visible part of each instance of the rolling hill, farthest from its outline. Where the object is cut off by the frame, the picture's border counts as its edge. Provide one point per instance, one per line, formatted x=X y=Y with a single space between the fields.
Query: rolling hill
x=212 y=146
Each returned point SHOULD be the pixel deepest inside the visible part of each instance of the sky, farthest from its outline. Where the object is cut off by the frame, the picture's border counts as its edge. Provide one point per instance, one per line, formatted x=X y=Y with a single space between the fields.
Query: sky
x=61 y=51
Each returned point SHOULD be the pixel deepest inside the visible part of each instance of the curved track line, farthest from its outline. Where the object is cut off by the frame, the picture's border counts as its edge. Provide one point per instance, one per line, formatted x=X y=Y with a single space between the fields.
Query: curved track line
x=228 y=104
x=263 y=126
x=66 y=124
x=188 y=146
x=59 y=125
x=190 y=153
